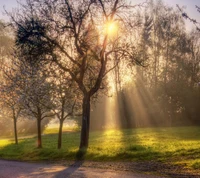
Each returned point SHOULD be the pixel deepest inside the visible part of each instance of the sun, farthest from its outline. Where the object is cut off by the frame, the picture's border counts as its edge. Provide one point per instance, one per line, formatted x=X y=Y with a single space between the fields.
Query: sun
x=111 y=29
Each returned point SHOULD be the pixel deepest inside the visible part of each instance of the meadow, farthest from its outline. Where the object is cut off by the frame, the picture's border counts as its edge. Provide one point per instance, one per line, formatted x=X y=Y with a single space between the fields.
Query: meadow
x=177 y=145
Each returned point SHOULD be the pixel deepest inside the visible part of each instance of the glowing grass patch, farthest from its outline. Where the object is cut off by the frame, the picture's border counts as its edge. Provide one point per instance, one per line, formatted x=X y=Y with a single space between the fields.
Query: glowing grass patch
x=5 y=142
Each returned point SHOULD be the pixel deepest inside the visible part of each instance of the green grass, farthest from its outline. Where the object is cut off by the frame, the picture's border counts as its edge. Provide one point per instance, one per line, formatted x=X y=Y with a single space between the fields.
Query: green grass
x=179 y=145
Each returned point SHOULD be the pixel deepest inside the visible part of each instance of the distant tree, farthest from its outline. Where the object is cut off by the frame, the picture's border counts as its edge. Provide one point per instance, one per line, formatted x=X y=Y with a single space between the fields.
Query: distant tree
x=34 y=90
x=81 y=37
x=158 y=90
x=10 y=103
x=9 y=99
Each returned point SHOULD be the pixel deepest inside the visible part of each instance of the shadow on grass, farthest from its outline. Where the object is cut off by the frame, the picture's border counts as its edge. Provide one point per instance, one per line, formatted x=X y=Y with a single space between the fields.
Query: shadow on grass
x=27 y=150
x=80 y=155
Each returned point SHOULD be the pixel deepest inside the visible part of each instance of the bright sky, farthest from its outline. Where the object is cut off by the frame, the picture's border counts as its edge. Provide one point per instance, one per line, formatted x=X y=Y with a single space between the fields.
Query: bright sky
x=190 y=4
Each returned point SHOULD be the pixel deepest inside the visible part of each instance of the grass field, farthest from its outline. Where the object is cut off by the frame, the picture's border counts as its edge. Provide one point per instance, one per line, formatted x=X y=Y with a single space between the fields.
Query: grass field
x=179 y=145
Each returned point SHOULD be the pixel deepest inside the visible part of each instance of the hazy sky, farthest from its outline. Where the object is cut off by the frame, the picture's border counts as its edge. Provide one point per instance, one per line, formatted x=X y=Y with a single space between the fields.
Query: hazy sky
x=190 y=4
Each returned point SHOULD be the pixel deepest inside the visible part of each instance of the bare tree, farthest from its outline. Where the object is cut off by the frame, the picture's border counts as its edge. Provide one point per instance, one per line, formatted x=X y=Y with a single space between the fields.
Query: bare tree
x=188 y=17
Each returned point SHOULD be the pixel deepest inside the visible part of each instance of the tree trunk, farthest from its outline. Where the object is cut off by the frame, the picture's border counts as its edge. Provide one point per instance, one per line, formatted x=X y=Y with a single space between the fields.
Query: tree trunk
x=85 y=122
x=15 y=130
x=39 y=132
x=60 y=134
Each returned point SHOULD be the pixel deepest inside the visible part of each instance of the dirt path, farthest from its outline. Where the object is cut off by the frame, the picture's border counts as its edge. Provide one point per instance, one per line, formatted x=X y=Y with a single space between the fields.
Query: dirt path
x=14 y=169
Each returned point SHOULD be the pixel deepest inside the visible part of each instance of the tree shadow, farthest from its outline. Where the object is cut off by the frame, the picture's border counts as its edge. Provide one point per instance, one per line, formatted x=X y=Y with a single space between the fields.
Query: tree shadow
x=69 y=171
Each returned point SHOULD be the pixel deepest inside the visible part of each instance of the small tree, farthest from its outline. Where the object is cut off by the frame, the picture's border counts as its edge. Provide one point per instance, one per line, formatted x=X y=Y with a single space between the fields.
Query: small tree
x=35 y=94
x=65 y=98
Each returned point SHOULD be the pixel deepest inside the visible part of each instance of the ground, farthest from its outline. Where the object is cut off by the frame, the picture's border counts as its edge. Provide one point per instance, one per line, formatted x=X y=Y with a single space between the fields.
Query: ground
x=81 y=169
x=13 y=169
x=165 y=152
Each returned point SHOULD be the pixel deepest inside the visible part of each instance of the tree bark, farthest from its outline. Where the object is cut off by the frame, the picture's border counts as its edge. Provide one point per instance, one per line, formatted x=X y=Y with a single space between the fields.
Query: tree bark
x=39 y=132
x=15 y=130
x=60 y=134
x=85 y=123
